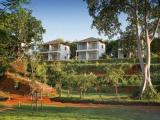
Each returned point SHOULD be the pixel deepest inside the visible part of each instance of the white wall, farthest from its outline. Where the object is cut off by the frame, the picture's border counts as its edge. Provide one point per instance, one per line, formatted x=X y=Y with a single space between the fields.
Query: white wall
x=64 y=52
x=120 y=53
x=101 y=50
x=159 y=33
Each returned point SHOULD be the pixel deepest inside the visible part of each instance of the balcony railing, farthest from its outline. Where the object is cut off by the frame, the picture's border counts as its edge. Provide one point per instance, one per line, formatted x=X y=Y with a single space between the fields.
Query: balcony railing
x=82 y=47
x=92 y=57
x=92 y=47
x=44 y=50
x=54 y=49
x=85 y=47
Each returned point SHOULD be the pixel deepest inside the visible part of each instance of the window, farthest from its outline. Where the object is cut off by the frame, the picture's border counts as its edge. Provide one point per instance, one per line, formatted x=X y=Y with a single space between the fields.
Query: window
x=102 y=46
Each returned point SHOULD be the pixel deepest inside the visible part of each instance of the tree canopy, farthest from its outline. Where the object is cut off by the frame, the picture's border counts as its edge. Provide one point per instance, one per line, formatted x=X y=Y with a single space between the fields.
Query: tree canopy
x=143 y=17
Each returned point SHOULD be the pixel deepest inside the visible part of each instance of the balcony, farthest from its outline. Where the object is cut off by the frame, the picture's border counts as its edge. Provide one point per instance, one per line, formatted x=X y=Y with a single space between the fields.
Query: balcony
x=92 y=56
x=54 y=49
x=82 y=47
x=44 y=49
x=53 y=56
x=87 y=46
x=82 y=55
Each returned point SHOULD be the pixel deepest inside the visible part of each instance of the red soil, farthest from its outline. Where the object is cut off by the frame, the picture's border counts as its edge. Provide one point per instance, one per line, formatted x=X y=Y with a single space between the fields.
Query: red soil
x=21 y=100
x=18 y=99
x=7 y=84
x=17 y=66
x=134 y=70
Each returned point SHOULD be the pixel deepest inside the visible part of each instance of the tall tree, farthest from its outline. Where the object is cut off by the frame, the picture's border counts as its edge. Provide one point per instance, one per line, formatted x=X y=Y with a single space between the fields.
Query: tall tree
x=143 y=16
x=7 y=8
x=20 y=27
x=127 y=43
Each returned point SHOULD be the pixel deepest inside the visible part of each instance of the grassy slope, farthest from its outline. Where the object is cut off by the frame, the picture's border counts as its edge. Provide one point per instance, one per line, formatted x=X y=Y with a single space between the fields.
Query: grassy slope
x=54 y=113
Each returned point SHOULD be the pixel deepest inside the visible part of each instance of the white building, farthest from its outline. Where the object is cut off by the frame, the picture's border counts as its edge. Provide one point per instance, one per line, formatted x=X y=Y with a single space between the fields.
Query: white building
x=120 y=53
x=33 y=49
x=55 y=50
x=90 y=49
x=158 y=33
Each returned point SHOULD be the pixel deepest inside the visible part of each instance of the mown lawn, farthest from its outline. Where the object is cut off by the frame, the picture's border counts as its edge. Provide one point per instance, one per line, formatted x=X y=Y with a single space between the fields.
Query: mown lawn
x=96 y=96
x=70 y=113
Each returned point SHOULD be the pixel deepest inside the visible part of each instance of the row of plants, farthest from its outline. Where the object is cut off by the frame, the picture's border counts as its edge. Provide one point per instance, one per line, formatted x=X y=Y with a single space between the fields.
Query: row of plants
x=108 y=102
x=113 y=60
x=69 y=77
x=83 y=77
x=101 y=67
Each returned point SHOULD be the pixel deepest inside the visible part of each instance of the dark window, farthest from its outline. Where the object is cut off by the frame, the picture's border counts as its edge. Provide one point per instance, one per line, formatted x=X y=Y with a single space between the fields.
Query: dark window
x=102 y=46
x=65 y=48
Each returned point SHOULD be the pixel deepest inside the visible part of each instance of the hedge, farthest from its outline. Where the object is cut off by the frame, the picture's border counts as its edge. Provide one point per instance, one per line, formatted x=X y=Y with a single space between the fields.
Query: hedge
x=107 y=102
x=3 y=98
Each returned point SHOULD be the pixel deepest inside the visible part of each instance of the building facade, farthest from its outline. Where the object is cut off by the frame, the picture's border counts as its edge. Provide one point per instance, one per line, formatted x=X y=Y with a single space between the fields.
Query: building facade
x=158 y=33
x=90 y=49
x=55 y=50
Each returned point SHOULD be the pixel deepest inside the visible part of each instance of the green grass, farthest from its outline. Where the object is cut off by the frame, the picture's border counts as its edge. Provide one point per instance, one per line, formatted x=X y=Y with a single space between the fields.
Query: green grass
x=70 y=113
x=96 y=96
x=104 y=98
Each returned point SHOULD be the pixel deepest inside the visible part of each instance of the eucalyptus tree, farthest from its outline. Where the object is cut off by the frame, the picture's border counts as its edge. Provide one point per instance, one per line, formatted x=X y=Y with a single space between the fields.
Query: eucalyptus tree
x=128 y=43
x=142 y=15
x=11 y=5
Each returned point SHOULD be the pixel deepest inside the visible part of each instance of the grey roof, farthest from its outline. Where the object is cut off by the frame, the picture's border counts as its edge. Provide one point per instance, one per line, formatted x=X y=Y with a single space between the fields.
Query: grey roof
x=53 y=42
x=91 y=39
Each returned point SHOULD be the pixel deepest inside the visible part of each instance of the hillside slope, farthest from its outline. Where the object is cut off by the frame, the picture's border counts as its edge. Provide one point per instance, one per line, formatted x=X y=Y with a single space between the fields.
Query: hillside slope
x=9 y=81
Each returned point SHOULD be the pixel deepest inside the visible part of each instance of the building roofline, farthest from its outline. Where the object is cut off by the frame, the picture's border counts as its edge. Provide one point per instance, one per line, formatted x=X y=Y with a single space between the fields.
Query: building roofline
x=90 y=39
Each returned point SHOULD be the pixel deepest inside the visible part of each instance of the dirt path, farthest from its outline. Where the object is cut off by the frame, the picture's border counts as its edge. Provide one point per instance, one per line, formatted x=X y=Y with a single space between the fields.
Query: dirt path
x=21 y=100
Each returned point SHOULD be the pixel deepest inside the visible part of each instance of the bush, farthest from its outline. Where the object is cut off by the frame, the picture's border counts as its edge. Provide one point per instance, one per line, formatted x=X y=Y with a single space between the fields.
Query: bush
x=149 y=94
x=157 y=87
x=3 y=98
x=108 y=102
x=132 y=80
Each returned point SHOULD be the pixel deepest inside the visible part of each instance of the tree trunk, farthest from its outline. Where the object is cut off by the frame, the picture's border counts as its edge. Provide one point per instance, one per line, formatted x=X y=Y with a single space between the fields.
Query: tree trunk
x=147 y=84
x=138 y=41
x=81 y=93
x=68 y=92
x=115 y=87
x=116 y=91
x=147 y=78
x=59 y=91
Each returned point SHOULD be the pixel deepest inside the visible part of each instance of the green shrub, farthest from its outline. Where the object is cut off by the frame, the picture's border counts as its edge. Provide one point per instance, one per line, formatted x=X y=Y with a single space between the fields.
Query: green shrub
x=132 y=80
x=149 y=94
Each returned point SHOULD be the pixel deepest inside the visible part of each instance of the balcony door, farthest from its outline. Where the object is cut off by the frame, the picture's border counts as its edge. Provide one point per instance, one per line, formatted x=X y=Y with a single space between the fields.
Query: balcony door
x=92 y=55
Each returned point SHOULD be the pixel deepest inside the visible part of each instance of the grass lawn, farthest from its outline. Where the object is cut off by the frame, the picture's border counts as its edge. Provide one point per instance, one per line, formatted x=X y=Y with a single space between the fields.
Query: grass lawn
x=96 y=96
x=70 y=113
x=103 y=97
